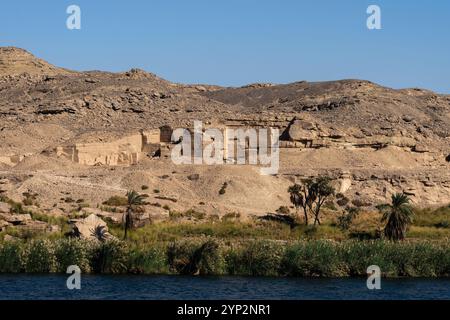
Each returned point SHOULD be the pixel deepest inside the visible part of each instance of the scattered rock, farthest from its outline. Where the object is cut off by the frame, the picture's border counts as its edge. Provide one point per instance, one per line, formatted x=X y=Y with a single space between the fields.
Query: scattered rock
x=3 y=225
x=408 y=118
x=16 y=219
x=8 y=238
x=193 y=177
x=4 y=207
x=421 y=148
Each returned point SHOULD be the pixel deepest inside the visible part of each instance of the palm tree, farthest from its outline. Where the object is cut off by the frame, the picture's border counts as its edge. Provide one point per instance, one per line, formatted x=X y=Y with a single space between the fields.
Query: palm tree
x=134 y=199
x=397 y=216
x=100 y=233
x=297 y=200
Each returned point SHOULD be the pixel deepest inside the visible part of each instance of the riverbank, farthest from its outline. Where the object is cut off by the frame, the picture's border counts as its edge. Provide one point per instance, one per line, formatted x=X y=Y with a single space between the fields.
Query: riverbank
x=207 y=256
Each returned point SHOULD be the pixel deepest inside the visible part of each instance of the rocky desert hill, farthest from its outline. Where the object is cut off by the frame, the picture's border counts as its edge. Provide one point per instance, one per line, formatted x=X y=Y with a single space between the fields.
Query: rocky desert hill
x=91 y=135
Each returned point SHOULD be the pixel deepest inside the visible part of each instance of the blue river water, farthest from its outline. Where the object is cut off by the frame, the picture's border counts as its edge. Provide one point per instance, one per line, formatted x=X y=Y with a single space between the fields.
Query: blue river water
x=138 y=287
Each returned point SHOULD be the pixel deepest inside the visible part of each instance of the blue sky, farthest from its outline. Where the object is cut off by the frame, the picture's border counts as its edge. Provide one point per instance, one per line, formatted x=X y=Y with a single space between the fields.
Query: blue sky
x=235 y=42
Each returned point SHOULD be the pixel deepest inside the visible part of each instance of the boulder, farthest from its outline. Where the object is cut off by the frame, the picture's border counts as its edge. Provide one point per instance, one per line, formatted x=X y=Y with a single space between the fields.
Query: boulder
x=193 y=177
x=301 y=130
x=4 y=207
x=421 y=148
x=16 y=219
x=35 y=226
x=10 y=238
x=3 y=225
x=85 y=228
x=141 y=219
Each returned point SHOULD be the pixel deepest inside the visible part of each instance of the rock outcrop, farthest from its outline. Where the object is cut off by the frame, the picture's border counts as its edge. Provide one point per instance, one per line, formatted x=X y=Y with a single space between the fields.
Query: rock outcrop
x=92 y=135
x=88 y=227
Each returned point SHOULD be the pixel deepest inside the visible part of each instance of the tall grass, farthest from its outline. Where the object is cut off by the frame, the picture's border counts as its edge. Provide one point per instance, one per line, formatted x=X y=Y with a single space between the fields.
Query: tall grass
x=149 y=260
x=256 y=258
x=11 y=254
x=195 y=257
x=207 y=256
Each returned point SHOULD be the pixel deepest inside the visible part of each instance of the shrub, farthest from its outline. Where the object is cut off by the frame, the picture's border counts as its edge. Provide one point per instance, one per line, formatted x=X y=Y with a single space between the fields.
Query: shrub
x=223 y=189
x=16 y=207
x=283 y=210
x=194 y=257
x=28 y=202
x=116 y=201
x=109 y=257
x=312 y=259
x=258 y=258
x=144 y=187
x=11 y=257
x=231 y=216
x=343 y=201
x=151 y=260
x=191 y=213
x=72 y=252
x=40 y=257
x=358 y=255
x=68 y=200
x=346 y=219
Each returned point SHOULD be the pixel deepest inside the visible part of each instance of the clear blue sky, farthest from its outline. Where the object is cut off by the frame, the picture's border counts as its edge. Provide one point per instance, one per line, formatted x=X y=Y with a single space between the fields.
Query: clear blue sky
x=234 y=42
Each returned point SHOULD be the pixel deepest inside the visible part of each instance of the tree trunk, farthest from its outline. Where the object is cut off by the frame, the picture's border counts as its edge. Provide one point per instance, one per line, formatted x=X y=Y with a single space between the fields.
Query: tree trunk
x=127 y=223
x=305 y=213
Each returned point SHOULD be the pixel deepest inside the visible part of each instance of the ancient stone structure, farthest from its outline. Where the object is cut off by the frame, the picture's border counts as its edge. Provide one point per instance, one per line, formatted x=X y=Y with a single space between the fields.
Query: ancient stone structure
x=125 y=151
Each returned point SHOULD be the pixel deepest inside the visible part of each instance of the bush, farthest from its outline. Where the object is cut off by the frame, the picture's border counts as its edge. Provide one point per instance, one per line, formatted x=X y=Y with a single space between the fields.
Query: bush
x=343 y=201
x=11 y=257
x=144 y=187
x=109 y=257
x=73 y=252
x=194 y=257
x=116 y=201
x=231 y=216
x=283 y=210
x=191 y=213
x=40 y=257
x=346 y=219
x=313 y=259
x=224 y=188
x=258 y=258
x=151 y=260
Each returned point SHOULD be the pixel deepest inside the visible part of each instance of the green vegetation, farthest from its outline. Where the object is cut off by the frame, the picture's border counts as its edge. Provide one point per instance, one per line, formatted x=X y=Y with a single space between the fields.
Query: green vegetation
x=311 y=195
x=206 y=256
x=134 y=200
x=189 y=214
x=339 y=242
x=223 y=189
x=116 y=201
x=397 y=216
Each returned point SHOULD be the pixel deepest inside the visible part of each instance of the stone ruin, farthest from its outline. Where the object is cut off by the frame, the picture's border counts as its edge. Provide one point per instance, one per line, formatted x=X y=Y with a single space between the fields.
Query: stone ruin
x=125 y=151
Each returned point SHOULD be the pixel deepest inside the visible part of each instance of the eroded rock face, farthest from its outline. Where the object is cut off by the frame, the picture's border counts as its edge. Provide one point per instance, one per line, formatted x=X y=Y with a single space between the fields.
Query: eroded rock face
x=386 y=140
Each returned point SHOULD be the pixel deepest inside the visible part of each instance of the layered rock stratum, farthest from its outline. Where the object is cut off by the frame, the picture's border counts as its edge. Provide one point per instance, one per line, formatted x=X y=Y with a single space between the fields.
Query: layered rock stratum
x=90 y=135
